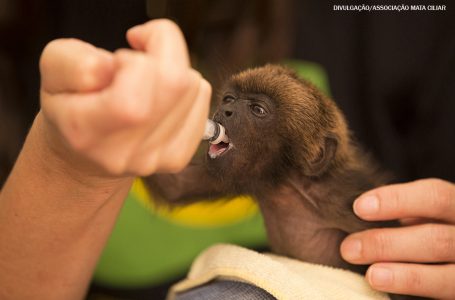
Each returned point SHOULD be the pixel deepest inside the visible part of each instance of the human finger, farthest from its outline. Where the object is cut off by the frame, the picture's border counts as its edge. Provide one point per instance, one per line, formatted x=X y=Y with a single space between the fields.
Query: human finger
x=420 y=243
x=86 y=119
x=162 y=39
x=416 y=221
x=163 y=130
x=434 y=281
x=427 y=198
x=190 y=133
x=71 y=65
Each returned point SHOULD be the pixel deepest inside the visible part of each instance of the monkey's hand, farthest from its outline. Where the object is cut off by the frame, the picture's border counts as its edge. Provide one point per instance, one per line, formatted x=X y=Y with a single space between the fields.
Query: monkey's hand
x=194 y=183
x=418 y=259
x=131 y=112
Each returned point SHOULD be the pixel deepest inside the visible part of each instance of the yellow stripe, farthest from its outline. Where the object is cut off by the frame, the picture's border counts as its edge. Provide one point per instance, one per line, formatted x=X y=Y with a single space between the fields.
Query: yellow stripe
x=201 y=214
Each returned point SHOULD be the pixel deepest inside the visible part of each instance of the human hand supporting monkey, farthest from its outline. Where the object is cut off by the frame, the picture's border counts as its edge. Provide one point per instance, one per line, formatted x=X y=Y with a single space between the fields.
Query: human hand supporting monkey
x=417 y=259
x=131 y=112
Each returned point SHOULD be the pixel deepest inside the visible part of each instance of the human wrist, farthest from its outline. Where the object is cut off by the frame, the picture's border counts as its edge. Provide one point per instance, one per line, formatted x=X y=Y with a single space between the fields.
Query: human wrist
x=52 y=152
x=47 y=154
x=63 y=216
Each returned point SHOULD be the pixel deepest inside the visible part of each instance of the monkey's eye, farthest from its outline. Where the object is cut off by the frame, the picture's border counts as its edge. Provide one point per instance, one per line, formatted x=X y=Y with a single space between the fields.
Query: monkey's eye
x=258 y=110
x=228 y=99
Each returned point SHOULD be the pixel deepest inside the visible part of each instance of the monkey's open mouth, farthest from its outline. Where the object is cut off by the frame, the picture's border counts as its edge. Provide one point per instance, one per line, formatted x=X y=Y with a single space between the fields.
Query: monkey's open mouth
x=217 y=150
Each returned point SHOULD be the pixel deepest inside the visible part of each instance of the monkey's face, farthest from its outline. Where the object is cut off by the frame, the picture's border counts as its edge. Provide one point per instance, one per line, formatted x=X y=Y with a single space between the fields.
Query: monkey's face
x=254 y=146
x=275 y=122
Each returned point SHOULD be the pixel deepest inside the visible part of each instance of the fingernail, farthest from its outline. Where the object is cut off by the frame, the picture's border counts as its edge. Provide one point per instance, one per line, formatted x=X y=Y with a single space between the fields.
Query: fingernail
x=366 y=206
x=352 y=249
x=380 y=277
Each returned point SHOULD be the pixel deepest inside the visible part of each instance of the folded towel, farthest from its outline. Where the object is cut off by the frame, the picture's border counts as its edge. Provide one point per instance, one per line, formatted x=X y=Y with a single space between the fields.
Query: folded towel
x=282 y=277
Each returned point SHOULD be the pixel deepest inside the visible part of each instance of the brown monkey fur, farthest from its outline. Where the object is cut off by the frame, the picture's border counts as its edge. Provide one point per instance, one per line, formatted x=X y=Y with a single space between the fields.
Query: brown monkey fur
x=294 y=154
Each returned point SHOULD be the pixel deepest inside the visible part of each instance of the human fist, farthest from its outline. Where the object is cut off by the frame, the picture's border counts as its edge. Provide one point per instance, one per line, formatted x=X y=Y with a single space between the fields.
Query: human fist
x=417 y=259
x=131 y=112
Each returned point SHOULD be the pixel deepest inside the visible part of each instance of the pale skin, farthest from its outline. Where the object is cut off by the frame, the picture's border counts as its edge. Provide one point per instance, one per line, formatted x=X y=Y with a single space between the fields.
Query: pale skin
x=400 y=256
x=107 y=117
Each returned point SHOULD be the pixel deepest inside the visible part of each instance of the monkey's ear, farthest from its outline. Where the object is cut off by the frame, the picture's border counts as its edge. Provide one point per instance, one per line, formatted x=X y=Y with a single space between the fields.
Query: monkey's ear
x=326 y=155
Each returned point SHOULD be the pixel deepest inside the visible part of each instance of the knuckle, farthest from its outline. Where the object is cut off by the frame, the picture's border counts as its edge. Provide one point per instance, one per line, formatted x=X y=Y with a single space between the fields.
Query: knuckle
x=379 y=243
x=391 y=198
x=134 y=115
x=122 y=55
x=86 y=71
x=44 y=61
x=436 y=181
x=129 y=58
x=128 y=111
x=47 y=58
x=442 y=243
x=412 y=279
x=54 y=44
x=176 y=82
x=133 y=106
x=441 y=195
x=164 y=25
x=448 y=286
x=88 y=64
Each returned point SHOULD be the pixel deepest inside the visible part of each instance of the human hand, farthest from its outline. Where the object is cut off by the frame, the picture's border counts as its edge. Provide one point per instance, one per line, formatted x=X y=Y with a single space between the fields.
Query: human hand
x=131 y=112
x=418 y=259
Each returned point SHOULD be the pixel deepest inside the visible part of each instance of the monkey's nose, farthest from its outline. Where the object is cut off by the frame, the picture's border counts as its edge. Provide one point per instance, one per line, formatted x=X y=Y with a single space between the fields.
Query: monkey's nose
x=228 y=113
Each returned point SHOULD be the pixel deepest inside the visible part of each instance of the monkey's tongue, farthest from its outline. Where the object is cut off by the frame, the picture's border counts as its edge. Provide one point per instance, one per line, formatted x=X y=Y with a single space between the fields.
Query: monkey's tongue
x=215 y=150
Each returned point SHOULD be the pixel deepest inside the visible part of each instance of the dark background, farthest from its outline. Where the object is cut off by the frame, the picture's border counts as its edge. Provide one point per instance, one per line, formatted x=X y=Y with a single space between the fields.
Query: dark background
x=392 y=73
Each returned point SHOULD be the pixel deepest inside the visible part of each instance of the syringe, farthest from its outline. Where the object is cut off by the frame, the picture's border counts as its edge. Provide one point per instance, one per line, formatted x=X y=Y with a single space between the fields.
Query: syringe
x=215 y=133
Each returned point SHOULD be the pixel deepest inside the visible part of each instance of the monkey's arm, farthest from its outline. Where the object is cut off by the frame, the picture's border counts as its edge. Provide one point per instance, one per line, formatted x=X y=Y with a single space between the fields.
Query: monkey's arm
x=192 y=184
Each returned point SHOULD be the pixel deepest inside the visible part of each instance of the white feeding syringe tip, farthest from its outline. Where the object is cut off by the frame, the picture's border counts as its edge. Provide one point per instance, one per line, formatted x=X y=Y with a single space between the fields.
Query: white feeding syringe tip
x=215 y=133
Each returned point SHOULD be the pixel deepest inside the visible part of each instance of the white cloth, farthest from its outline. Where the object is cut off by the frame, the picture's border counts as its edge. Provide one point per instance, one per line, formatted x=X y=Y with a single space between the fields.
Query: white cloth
x=282 y=277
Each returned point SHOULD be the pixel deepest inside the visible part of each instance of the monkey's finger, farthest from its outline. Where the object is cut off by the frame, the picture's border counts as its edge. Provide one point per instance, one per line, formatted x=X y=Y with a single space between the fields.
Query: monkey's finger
x=427 y=243
x=433 y=281
x=71 y=65
x=427 y=198
x=162 y=39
